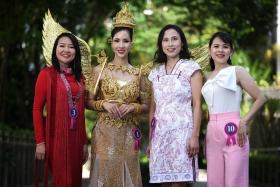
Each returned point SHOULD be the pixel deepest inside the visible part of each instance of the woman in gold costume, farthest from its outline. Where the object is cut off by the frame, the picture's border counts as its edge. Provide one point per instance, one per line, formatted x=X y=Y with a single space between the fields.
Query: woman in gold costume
x=121 y=93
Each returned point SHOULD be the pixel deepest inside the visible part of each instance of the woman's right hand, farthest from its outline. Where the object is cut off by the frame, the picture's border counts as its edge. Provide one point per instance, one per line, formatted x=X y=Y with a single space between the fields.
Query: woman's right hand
x=40 y=151
x=112 y=108
x=242 y=133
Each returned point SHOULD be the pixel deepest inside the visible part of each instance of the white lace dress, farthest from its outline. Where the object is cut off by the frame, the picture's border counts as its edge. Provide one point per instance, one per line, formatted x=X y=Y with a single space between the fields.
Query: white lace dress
x=169 y=161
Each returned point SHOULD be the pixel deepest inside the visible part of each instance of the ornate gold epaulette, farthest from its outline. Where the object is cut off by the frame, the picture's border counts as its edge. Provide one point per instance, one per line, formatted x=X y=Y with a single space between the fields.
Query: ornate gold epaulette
x=146 y=69
x=200 y=55
x=101 y=57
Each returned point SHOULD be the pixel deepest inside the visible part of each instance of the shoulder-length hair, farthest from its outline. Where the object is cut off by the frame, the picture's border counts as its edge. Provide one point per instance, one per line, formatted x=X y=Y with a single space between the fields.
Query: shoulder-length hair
x=160 y=56
x=75 y=65
x=225 y=37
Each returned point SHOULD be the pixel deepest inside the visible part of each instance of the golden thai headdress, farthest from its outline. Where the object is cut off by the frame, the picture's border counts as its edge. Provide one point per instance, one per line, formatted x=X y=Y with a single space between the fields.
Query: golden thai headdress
x=51 y=30
x=124 y=18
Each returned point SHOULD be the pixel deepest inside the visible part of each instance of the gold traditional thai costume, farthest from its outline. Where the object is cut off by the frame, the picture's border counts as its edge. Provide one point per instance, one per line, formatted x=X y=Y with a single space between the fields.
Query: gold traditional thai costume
x=114 y=157
x=115 y=141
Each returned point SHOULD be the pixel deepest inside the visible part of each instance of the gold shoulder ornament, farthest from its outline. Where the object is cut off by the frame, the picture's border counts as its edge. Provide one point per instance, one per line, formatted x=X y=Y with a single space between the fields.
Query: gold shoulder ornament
x=146 y=69
x=145 y=93
x=51 y=30
x=200 y=55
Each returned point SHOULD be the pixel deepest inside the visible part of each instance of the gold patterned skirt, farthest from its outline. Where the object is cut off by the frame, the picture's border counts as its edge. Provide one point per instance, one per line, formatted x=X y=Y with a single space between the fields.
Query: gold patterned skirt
x=114 y=161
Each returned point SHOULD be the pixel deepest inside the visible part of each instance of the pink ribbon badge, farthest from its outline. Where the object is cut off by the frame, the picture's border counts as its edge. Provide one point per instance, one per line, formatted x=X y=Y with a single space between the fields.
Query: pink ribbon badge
x=230 y=130
x=136 y=133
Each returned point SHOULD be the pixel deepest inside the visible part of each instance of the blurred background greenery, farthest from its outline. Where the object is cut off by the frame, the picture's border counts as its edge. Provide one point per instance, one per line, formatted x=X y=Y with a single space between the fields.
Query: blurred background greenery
x=252 y=24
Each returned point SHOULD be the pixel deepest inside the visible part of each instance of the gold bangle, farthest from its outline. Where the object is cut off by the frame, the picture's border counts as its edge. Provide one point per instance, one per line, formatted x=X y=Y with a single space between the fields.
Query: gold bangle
x=137 y=108
x=98 y=105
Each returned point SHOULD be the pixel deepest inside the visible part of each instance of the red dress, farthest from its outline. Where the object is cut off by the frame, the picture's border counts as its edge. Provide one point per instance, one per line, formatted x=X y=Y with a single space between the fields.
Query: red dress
x=64 y=146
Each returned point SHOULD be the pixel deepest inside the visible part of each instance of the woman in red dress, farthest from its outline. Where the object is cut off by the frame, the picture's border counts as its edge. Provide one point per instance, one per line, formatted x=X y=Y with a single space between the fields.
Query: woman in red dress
x=61 y=137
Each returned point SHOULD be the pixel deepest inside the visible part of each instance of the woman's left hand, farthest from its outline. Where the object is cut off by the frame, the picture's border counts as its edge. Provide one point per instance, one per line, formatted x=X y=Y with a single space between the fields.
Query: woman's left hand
x=193 y=147
x=125 y=109
x=242 y=133
x=85 y=154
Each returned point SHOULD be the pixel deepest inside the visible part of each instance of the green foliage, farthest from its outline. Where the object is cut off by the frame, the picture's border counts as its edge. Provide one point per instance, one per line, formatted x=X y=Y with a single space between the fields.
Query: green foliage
x=251 y=23
x=20 y=37
x=259 y=70
x=21 y=47
x=90 y=122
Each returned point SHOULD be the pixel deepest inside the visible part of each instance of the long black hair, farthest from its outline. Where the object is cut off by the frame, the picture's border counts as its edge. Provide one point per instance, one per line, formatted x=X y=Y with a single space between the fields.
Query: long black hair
x=226 y=38
x=160 y=56
x=75 y=65
x=118 y=29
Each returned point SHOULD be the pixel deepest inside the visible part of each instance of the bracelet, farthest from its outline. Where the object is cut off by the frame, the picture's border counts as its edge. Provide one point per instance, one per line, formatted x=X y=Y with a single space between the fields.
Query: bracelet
x=137 y=108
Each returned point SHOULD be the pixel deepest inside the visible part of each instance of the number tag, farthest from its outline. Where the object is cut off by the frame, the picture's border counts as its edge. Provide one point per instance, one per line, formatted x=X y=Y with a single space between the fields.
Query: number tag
x=230 y=130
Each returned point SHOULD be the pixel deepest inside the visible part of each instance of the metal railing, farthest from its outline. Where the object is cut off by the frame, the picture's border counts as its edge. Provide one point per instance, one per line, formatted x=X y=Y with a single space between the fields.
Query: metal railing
x=16 y=159
x=17 y=162
x=265 y=167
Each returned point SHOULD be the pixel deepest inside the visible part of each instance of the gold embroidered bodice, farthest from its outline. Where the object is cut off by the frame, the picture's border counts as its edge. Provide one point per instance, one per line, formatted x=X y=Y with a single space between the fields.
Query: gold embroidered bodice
x=124 y=91
x=122 y=84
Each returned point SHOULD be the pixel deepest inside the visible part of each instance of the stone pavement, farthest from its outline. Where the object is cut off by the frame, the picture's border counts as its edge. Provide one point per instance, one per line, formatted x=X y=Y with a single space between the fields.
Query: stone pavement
x=202 y=179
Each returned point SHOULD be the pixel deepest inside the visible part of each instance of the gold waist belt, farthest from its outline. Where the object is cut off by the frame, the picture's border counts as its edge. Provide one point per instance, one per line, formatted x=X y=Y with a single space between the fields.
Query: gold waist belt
x=107 y=119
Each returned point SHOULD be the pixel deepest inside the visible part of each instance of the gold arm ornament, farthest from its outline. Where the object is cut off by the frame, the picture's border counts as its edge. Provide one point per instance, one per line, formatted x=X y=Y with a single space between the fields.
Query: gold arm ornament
x=51 y=30
x=101 y=59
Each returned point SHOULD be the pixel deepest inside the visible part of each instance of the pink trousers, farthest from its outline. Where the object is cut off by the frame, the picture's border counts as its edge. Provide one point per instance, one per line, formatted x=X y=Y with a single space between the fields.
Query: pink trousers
x=227 y=163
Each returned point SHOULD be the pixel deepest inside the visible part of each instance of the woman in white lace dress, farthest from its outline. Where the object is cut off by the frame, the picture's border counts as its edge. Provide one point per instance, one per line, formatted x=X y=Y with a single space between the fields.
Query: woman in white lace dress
x=175 y=112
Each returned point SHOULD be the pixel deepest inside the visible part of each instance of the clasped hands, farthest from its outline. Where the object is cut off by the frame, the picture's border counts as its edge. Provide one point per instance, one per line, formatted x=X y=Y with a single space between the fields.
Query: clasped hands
x=116 y=110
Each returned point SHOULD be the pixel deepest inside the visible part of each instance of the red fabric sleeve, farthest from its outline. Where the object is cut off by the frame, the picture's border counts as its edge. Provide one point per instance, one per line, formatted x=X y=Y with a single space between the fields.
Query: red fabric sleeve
x=38 y=106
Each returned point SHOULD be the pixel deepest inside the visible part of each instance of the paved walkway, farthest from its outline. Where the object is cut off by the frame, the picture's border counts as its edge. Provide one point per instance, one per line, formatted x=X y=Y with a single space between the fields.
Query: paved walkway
x=202 y=179
x=198 y=184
